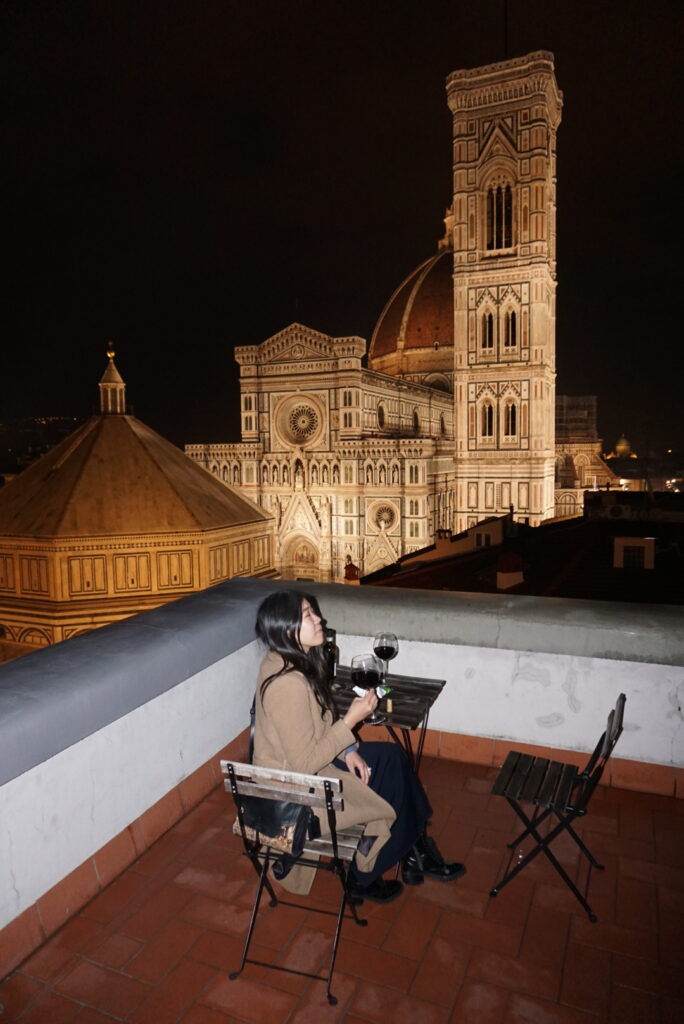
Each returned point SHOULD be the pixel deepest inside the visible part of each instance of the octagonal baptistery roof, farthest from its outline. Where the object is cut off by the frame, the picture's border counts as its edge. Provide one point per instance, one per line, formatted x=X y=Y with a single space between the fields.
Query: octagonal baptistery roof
x=116 y=476
x=414 y=336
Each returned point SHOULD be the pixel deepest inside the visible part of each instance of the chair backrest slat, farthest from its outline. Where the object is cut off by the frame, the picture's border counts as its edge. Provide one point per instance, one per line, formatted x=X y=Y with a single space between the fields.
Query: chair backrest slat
x=287 y=793
x=616 y=731
x=605 y=746
x=257 y=774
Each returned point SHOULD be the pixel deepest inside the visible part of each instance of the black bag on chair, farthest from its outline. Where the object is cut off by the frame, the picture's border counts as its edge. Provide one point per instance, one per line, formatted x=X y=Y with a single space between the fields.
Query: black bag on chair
x=282 y=825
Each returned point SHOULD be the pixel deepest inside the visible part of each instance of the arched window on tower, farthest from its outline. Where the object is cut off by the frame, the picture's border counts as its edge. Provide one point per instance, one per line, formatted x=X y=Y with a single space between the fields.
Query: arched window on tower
x=510 y=329
x=499 y=217
x=487 y=420
x=487 y=331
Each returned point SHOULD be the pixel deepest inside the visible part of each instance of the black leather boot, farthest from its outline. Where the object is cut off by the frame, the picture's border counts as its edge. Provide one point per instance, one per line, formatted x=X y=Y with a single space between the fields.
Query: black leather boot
x=380 y=891
x=425 y=859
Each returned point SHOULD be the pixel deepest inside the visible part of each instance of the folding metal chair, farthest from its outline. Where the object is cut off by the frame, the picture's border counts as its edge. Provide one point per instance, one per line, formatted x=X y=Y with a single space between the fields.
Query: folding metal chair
x=558 y=790
x=339 y=846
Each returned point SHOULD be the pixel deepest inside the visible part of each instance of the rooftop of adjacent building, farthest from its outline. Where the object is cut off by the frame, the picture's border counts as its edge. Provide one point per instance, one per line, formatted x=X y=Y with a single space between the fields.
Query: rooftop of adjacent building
x=573 y=558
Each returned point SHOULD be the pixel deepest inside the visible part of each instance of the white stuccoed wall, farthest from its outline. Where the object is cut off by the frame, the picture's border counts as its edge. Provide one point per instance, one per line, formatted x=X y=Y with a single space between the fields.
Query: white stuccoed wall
x=553 y=700
x=56 y=815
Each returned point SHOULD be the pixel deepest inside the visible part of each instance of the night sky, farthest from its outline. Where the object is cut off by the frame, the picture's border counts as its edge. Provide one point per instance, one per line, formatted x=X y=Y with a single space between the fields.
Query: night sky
x=183 y=177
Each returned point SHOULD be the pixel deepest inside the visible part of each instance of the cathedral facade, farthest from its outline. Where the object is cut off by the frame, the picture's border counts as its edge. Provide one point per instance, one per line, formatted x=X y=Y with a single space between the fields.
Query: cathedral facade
x=452 y=420
x=355 y=466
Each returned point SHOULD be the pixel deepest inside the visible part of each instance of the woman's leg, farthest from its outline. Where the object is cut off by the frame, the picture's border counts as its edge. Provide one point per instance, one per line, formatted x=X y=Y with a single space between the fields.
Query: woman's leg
x=393 y=778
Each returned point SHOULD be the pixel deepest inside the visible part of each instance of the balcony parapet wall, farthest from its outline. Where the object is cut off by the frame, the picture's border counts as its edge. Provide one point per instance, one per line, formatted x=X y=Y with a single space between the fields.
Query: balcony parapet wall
x=106 y=739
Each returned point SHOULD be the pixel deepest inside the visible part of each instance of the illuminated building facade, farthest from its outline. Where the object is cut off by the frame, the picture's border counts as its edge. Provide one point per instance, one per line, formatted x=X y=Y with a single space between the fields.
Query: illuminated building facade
x=453 y=421
x=355 y=466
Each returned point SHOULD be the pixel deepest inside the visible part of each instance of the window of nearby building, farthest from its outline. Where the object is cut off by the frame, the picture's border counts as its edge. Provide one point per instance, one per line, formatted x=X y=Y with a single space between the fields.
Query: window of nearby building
x=483 y=540
x=414 y=529
x=442 y=425
x=381 y=416
x=416 y=421
x=348 y=474
x=347 y=419
x=499 y=217
x=487 y=330
x=413 y=475
x=349 y=527
x=633 y=556
x=348 y=505
x=346 y=398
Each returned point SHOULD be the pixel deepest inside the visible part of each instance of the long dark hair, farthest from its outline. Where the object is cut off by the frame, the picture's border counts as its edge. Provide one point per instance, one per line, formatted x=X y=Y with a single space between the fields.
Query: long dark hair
x=277 y=626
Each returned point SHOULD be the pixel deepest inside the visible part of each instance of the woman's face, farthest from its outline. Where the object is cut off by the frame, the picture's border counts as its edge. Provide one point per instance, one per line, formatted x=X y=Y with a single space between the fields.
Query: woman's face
x=310 y=631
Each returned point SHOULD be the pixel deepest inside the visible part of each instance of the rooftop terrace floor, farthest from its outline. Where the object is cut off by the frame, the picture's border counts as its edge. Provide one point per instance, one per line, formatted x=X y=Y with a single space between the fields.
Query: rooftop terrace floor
x=156 y=946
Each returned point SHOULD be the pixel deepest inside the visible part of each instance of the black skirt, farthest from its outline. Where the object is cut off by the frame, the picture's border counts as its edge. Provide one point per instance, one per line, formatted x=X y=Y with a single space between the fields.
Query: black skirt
x=393 y=778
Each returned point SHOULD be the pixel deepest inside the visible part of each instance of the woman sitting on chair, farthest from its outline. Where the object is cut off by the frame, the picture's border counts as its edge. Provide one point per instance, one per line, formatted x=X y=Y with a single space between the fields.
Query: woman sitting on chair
x=298 y=729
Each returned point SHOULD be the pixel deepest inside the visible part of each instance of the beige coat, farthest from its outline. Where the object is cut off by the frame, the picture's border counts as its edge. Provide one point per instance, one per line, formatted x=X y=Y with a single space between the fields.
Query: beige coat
x=290 y=733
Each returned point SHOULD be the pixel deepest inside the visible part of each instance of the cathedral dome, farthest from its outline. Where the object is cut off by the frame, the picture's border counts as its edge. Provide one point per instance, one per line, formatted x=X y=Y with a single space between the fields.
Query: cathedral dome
x=414 y=336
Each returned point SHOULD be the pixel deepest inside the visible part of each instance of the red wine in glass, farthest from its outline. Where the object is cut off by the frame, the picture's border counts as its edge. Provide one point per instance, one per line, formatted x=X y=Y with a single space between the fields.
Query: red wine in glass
x=366 y=680
x=385 y=647
x=366 y=673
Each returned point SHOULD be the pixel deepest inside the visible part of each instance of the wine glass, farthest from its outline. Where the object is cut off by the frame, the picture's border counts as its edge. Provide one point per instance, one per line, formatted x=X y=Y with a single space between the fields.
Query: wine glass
x=386 y=647
x=366 y=672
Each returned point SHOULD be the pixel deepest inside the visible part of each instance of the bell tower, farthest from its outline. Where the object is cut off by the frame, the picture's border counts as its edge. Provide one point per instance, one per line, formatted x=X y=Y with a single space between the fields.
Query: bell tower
x=505 y=118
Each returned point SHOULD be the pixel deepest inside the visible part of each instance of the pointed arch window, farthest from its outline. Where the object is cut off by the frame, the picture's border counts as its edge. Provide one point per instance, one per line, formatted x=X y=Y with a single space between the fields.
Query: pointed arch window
x=499 y=217
x=487 y=331
x=487 y=420
x=510 y=329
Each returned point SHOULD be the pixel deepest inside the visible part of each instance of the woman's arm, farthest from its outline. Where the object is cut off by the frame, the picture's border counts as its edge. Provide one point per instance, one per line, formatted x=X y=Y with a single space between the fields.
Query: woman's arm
x=288 y=706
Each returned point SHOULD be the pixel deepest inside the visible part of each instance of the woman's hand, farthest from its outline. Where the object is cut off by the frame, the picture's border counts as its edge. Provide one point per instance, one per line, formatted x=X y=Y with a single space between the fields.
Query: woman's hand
x=356 y=764
x=360 y=708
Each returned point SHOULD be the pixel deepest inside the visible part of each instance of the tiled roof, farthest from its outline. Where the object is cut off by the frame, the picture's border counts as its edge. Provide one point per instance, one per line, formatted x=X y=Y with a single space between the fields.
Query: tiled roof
x=116 y=476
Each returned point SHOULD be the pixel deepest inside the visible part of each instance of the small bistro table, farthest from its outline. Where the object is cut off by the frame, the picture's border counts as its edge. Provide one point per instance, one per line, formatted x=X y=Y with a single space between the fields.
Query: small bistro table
x=411 y=696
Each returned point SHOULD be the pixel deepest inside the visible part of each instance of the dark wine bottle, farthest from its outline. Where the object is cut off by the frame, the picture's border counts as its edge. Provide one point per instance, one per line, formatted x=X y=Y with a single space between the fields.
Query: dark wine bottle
x=331 y=652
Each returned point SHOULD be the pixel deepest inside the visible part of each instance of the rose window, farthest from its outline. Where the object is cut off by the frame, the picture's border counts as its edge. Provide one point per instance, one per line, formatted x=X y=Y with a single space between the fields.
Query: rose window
x=303 y=422
x=385 y=516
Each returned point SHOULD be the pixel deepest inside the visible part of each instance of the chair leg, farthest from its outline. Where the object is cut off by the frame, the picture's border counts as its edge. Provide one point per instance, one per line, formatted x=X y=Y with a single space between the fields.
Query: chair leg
x=345 y=900
x=263 y=881
x=537 y=819
x=541 y=847
x=587 y=853
x=252 y=854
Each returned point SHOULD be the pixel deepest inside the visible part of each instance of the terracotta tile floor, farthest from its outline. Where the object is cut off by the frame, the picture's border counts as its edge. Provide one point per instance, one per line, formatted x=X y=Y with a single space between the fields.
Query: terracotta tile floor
x=157 y=945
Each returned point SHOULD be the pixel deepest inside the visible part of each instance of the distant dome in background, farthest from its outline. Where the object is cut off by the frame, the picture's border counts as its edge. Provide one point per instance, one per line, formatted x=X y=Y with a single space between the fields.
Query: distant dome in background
x=414 y=336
